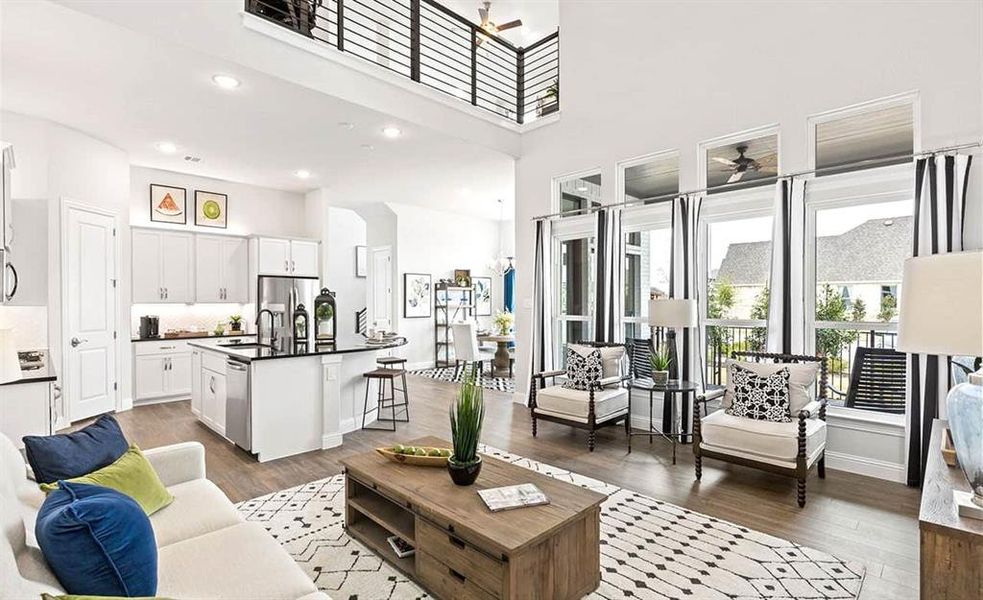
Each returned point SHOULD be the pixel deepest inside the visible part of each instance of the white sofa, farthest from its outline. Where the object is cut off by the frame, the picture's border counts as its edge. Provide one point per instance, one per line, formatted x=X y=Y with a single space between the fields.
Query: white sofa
x=205 y=549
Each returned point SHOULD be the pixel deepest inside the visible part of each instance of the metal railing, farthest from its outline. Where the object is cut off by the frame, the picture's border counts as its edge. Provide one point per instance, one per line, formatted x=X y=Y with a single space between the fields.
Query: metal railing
x=434 y=46
x=722 y=340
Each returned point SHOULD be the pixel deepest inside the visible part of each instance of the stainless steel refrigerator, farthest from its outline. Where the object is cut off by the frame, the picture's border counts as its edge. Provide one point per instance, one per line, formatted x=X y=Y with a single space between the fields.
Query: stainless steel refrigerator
x=282 y=296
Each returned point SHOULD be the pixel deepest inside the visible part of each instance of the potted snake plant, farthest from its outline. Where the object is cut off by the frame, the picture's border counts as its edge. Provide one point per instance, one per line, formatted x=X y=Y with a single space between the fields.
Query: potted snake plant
x=467 y=415
x=660 y=366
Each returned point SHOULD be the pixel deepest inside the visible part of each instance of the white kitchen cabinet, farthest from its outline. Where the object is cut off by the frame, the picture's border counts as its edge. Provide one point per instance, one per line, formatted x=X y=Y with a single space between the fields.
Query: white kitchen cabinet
x=288 y=258
x=303 y=258
x=196 y=382
x=162 y=370
x=221 y=269
x=213 y=400
x=25 y=409
x=163 y=266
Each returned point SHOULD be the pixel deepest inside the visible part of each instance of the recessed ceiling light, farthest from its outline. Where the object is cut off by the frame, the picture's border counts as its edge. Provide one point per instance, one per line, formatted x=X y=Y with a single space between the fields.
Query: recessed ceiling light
x=346 y=125
x=302 y=174
x=392 y=131
x=226 y=82
x=166 y=147
x=368 y=147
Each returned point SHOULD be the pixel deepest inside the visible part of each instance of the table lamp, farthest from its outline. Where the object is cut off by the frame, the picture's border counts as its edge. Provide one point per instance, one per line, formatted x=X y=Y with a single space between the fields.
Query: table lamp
x=9 y=363
x=942 y=313
x=672 y=314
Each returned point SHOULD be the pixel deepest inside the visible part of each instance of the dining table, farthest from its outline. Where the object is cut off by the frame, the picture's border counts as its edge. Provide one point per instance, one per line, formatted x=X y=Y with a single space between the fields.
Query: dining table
x=503 y=360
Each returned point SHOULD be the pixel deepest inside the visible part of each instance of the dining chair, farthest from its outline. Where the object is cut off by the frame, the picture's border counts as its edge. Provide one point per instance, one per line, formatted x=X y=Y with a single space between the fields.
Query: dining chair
x=466 y=348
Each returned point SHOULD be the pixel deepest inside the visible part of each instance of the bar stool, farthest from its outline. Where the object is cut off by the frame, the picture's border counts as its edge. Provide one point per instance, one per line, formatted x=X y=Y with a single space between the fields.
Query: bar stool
x=393 y=362
x=383 y=401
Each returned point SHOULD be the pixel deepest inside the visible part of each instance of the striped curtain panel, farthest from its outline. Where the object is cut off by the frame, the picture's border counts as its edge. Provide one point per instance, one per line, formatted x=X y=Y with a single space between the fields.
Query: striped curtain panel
x=786 y=315
x=683 y=284
x=541 y=336
x=941 y=184
x=610 y=302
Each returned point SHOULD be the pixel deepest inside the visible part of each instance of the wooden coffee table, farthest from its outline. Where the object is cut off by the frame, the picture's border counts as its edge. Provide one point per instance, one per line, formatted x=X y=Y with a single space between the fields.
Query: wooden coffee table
x=463 y=550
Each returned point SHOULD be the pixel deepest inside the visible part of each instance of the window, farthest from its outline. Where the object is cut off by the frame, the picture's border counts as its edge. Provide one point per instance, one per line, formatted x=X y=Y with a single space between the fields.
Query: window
x=737 y=251
x=651 y=178
x=877 y=133
x=577 y=193
x=646 y=276
x=856 y=248
x=575 y=300
x=740 y=163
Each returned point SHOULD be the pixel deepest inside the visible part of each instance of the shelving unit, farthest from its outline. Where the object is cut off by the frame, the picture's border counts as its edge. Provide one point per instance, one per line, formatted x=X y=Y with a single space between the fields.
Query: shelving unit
x=446 y=313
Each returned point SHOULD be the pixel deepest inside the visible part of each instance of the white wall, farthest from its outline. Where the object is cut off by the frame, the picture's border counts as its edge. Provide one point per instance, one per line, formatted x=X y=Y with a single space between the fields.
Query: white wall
x=56 y=163
x=437 y=242
x=251 y=209
x=640 y=77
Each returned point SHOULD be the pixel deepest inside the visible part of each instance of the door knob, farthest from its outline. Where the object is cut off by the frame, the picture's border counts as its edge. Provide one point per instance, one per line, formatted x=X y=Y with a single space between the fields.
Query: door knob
x=75 y=342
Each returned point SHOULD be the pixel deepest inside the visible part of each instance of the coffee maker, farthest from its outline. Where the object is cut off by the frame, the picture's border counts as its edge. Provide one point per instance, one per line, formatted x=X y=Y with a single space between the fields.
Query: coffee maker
x=149 y=327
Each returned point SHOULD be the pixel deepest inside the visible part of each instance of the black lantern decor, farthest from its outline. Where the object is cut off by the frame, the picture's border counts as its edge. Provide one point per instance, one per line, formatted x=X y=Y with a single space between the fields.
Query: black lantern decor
x=325 y=323
x=300 y=325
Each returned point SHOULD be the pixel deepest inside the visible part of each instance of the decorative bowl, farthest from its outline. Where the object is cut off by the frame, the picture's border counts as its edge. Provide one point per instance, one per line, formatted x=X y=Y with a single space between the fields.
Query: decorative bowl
x=414 y=459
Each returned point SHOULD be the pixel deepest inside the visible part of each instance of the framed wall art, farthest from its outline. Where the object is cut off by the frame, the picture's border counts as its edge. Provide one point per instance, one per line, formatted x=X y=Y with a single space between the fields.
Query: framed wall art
x=482 y=296
x=417 y=288
x=168 y=204
x=211 y=209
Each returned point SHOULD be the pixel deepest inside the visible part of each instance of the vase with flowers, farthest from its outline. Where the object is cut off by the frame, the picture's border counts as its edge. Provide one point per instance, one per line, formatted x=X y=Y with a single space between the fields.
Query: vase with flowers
x=503 y=322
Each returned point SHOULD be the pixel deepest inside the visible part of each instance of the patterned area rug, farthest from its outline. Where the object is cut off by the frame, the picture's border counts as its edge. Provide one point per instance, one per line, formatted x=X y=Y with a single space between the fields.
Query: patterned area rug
x=501 y=384
x=649 y=549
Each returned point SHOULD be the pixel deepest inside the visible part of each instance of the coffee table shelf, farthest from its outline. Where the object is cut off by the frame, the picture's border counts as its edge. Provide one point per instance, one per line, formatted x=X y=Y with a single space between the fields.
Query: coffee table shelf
x=374 y=536
x=387 y=514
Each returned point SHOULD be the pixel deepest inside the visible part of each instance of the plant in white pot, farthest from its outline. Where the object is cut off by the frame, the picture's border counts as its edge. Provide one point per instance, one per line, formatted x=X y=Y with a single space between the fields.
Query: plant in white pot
x=660 y=366
x=467 y=416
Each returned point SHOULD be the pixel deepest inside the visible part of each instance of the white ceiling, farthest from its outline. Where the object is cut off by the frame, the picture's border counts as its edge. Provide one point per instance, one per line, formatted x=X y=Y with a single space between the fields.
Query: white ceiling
x=133 y=90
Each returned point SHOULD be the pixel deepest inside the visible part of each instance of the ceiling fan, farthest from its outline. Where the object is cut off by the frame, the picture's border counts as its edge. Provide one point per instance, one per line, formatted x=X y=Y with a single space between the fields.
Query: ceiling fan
x=742 y=164
x=489 y=26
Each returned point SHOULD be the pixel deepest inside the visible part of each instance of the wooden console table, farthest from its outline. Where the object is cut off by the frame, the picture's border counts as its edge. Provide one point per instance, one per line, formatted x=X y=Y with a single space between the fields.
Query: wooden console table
x=463 y=550
x=951 y=546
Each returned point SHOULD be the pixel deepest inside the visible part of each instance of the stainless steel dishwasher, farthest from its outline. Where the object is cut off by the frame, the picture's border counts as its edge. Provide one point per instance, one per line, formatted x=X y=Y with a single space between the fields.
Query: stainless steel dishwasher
x=238 y=404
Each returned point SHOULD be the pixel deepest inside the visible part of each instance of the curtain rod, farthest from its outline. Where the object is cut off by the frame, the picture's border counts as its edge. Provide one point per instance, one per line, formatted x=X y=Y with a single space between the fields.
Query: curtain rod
x=726 y=186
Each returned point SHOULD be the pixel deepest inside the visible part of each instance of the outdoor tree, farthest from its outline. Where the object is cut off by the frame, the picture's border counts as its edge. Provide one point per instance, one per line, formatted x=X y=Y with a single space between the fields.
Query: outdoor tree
x=859 y=309
x=720 y=300
x=830 y=306
x=759 y=310
x=889 y=308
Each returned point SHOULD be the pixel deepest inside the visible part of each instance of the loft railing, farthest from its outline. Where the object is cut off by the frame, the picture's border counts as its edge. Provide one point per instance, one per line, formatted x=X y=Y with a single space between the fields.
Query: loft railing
x=434 y=46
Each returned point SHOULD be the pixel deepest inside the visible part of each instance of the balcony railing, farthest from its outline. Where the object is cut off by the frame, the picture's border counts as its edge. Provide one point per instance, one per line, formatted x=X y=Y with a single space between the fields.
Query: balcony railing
x=434 y=46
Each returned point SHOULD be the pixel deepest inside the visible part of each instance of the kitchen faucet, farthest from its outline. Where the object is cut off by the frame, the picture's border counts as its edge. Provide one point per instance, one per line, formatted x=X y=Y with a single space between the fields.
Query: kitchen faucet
x=259 y=331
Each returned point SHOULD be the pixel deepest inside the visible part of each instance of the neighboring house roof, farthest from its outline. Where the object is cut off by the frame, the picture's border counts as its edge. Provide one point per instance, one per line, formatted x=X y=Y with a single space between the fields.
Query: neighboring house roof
x=871 y=252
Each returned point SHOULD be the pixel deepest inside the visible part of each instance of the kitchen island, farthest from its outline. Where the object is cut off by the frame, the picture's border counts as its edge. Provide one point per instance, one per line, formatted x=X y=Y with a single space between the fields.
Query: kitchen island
x=281 y=402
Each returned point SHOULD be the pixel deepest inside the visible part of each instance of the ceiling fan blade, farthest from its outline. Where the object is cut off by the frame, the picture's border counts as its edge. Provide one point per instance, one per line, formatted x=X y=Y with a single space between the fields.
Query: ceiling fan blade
x=483 y=13
x=736 y=177
x=724 y=161
x=768 y=162
x=510 y=25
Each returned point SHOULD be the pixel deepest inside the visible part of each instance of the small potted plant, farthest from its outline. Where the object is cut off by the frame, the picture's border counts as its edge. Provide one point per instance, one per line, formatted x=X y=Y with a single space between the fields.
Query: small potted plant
x=503 y=322
x=660 y=366
x=235 y=323
x=467 y=415
x=220 y=328
x=549 y=102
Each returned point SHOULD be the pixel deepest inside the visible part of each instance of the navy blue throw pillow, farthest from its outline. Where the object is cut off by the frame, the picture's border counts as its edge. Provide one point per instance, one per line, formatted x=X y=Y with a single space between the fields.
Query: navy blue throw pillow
x=98 y=541
x=68 y=455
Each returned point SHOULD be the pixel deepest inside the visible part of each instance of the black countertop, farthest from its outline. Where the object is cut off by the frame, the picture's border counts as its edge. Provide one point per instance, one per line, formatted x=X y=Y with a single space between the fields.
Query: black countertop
x=202 y=336
x=251 y=352
x=39 y=376
x=41 y=371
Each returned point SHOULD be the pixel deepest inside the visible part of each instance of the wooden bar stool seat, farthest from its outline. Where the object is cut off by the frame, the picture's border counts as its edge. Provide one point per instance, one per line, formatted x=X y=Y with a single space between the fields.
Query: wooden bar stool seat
x=391 y=361
x=383 y=401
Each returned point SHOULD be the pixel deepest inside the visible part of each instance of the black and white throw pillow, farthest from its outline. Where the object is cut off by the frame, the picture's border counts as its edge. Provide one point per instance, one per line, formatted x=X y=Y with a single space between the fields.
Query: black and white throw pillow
x=761 y=397
x=582 y=369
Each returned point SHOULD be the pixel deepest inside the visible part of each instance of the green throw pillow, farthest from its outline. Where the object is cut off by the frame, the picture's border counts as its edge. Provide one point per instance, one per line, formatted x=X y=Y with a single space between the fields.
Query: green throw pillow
x=131 y=474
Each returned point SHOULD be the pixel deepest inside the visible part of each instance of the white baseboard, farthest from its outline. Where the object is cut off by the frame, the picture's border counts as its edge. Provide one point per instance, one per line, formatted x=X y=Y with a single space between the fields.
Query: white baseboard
x=349 y=425
x=330 y=440
x=425 y=364
x=866 y=466
x=520 y=398
x=125 y=404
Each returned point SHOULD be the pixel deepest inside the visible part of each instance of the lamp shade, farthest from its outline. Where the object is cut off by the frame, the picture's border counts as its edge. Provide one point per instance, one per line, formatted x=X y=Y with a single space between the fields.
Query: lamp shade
x=9 y=363
x=942 y=305
x=671 y=312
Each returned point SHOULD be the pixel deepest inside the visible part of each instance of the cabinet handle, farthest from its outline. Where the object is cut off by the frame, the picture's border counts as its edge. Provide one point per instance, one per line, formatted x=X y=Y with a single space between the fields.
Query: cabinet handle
x=456 y=575
x=168 y=347
x=455 y=541
x=160 y=293
x=286 y=265
x=293 y=266
x=211 y=384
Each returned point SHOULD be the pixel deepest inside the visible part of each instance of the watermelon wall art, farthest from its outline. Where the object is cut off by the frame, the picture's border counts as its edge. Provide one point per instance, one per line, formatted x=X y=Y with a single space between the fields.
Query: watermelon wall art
x=168 y=204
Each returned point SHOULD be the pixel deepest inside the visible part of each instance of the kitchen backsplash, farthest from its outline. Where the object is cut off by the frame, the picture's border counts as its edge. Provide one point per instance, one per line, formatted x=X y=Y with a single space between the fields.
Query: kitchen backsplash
x=30 y=325
x=192 y=317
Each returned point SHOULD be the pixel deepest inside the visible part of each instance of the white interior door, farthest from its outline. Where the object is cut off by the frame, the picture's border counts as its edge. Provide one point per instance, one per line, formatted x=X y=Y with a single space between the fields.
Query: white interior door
x=89 y=309
x=380 y=288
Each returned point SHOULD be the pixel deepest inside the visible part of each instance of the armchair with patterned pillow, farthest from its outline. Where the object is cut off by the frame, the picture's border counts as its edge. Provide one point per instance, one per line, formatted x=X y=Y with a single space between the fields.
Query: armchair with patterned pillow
x=589 y=394
x=773 y=417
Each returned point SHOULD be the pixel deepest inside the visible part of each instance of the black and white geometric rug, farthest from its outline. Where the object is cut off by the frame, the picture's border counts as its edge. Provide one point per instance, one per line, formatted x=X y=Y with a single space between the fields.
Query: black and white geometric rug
x=501 y=384
x=649 y=549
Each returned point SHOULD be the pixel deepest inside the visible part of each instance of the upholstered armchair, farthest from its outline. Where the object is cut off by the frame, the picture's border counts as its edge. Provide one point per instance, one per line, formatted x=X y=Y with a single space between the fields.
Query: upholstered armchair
x=604 y=403
x=790 y=449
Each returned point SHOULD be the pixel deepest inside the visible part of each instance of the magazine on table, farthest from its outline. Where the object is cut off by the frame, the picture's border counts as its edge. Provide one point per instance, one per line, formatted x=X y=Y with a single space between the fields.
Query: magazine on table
x=401 y=547
x=513 y=496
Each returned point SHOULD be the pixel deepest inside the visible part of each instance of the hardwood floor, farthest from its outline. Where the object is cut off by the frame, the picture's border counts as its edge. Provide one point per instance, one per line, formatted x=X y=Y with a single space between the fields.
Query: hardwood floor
x=853 y=517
